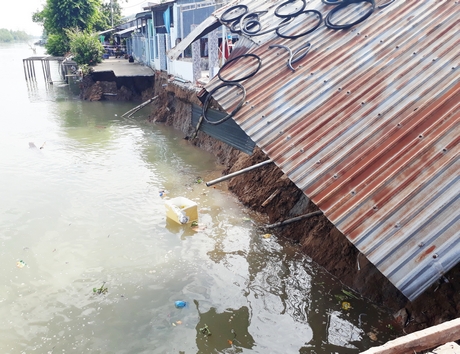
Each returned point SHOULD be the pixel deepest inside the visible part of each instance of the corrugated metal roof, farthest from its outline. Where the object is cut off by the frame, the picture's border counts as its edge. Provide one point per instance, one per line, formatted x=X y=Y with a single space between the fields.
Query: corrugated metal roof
x=367 y=126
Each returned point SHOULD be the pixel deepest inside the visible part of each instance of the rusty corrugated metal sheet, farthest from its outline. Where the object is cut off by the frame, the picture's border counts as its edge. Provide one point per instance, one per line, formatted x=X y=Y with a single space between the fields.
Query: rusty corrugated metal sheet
x=368 y=127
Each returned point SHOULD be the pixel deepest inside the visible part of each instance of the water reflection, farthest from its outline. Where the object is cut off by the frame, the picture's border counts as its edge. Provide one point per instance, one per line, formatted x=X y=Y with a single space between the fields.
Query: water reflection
x=224 y=332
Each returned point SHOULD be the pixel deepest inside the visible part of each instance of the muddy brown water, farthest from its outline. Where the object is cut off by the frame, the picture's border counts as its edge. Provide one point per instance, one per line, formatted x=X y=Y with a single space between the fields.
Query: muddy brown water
x=81 y=208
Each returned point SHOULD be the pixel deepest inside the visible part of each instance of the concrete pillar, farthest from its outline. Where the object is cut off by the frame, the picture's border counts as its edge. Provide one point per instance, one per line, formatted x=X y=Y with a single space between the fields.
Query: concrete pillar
x=162 y=51
x=213 y=53
x=196 y=58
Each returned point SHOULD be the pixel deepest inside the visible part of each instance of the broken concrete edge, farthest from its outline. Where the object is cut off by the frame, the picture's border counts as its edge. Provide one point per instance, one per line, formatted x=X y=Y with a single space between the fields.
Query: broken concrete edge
x=422 y=340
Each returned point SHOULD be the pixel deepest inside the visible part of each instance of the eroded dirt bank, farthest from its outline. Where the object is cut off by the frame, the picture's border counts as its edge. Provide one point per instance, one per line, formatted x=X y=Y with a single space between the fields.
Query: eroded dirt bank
x=316 y=236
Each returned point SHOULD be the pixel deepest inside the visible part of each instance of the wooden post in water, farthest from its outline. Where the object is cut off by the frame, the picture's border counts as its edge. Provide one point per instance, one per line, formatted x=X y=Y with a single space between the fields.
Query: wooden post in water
x=43 y=69
x=24 y=67
x=48 y=76
x=32 y=63
x=29 y=69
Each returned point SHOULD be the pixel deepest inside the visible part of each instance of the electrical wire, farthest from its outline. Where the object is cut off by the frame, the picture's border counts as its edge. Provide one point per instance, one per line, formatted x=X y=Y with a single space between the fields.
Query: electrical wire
x=343 y=4
x=320 y=20
x=292 y=54
x=209 y=97
x=304 y=4
x=244 y=9
x=237 y=58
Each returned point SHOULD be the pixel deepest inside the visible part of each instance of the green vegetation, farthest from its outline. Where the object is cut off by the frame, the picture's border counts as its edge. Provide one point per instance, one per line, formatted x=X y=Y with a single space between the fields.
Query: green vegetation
x=106 y=16
x=11 y=36
x=85 y=47
x=61 y=17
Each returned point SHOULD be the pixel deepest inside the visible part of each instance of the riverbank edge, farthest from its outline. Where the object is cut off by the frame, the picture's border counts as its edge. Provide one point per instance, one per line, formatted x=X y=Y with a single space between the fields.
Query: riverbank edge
x=317 y=237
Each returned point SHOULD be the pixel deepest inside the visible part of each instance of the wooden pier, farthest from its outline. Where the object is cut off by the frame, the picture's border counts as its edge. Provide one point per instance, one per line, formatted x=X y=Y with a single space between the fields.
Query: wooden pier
x=65 y=67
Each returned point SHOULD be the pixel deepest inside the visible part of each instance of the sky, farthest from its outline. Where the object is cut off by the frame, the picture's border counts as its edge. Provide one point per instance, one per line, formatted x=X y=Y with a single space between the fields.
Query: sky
x=19 y=18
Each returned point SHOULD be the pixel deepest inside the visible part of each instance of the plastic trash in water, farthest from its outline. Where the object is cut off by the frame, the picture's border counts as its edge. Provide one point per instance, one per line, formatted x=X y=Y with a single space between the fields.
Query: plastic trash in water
x=183 y=218
x=20 y=264
x=180 y=304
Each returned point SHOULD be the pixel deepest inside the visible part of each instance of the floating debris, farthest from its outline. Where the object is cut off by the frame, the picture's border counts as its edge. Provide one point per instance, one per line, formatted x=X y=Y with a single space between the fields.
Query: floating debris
x=199 y=180
x=101 y=290
x=20 y=264
x=180 y=304
x=205 y=330
x=348 y=293
x=267 y=235
x=372 y=336
x=346 y=305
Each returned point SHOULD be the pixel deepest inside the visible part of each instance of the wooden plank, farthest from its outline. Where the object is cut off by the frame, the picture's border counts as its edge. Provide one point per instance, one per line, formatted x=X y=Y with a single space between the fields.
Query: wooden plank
x=422 y=340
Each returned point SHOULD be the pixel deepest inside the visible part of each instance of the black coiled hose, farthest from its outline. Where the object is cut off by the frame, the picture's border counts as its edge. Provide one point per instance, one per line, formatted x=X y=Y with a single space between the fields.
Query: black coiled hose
x=209 y=97
x=343 y=4
x=320 y=20
x=235 y=59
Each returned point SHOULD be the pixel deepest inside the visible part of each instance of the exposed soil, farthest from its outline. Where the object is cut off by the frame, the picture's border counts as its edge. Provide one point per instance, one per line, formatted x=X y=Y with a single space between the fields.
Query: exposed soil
x=106 y=86
x=316 y=236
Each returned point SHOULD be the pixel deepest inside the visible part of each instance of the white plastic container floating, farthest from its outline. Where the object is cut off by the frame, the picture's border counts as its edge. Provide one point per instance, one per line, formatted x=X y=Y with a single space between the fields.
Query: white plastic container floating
x=181 y=210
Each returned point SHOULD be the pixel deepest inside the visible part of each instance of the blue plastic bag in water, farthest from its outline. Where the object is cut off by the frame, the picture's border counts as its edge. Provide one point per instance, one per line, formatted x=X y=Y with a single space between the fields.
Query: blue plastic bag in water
x=180 y=304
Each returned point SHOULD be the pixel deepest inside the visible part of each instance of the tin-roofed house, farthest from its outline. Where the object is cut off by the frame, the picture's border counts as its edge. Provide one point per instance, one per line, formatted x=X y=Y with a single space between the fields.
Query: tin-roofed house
x=166 y=24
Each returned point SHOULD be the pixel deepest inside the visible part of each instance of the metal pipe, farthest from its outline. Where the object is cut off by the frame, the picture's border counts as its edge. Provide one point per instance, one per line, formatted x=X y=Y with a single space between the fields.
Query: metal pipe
x=297 y=218
x=237 y=173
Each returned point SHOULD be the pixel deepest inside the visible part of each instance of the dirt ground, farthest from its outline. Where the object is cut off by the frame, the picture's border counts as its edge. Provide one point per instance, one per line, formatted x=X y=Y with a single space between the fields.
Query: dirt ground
x=316 y=236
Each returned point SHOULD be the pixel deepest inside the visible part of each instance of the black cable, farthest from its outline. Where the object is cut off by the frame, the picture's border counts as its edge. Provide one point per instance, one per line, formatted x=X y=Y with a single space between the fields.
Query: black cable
x=208 y=100
x=332 y=2
x=244 y=9
x=386 y=4
x=248 y=32
x=248 y=20
x=235 y=27
x=235 y=59
x=344 y=4
x=291 y=59
x=304 y=4
x=306 y=32
x=300 y=57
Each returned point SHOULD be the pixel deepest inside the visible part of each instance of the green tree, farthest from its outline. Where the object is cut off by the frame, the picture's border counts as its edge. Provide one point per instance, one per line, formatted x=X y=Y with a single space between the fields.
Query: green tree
x=10 y=36
x=108 y=11
x=5 y=35
x=57 y=44
x=85 y=47
x=58 y=15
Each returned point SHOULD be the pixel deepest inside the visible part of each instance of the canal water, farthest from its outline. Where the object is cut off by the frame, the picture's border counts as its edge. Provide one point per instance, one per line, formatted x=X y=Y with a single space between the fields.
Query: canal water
x=81 y=211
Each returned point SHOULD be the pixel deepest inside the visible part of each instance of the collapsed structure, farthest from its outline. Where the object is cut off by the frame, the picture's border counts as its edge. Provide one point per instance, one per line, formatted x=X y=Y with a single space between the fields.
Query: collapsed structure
x=358 y=104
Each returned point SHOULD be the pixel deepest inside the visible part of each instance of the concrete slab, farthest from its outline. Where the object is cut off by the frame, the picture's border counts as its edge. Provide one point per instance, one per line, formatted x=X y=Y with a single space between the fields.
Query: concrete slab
x=122 y=67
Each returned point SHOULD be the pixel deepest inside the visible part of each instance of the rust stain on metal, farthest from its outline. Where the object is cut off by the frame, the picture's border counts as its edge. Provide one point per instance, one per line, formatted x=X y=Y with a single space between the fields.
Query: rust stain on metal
x=427 y=252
